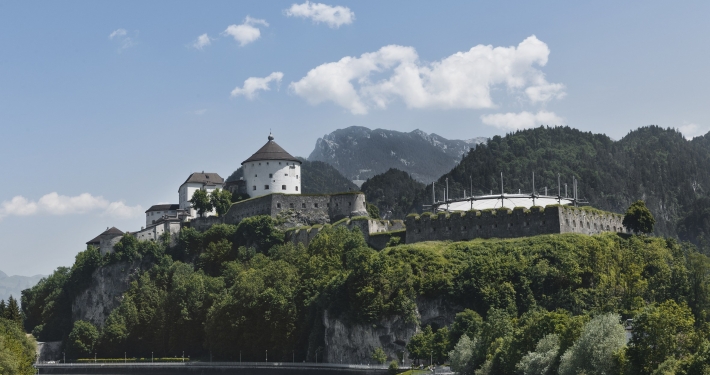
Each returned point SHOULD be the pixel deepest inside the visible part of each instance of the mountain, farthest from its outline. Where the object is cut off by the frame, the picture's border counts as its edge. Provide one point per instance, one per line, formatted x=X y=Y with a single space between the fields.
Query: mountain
x=394 y=193
x=360 y=153
x=316 y=178
x=654 y=164
x=14 y=285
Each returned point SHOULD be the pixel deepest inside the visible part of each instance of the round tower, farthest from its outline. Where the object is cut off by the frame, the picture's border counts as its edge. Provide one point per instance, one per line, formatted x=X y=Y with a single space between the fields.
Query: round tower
x=272 y=170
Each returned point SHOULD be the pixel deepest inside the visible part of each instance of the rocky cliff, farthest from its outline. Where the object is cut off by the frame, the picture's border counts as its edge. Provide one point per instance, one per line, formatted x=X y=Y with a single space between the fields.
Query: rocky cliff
x=105 y=291
x=355 y=343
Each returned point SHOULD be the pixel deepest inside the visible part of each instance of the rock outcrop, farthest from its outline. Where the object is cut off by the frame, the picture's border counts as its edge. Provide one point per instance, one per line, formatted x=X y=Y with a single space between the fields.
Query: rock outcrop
x=105 y=291
x=355 y=343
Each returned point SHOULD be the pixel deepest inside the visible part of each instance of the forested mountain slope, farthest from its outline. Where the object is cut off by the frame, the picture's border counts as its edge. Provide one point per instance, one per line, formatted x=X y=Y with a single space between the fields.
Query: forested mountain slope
x=360 y=153
x=651 y=163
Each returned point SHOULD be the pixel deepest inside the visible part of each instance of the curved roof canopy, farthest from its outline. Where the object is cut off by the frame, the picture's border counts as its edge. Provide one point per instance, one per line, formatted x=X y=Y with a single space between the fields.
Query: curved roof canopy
x=509 y=201
x=271 y=151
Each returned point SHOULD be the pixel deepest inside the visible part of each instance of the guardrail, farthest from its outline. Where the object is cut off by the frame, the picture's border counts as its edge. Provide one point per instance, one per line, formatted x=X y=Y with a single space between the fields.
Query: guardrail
x=219 y=364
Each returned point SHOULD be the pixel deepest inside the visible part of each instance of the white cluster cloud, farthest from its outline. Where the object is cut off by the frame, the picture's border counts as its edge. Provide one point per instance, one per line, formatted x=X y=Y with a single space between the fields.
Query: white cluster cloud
x=55 y=204
x=462 y=80
x=334 y=16
x=254 y=84
x=522 y=120
x=692 y=130
x=201 y=42
x=246 y=32
x=121 y=35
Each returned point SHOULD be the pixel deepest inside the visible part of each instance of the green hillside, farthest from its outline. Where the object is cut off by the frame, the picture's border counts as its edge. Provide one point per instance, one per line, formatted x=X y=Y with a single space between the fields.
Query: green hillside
x=212 y=294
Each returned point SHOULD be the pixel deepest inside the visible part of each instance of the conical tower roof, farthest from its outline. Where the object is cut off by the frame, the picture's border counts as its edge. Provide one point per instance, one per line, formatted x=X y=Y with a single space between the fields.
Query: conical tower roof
x=271 y=151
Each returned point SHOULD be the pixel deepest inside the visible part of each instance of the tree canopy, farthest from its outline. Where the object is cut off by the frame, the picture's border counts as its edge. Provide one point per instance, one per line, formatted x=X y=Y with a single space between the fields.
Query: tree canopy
x=638 y=218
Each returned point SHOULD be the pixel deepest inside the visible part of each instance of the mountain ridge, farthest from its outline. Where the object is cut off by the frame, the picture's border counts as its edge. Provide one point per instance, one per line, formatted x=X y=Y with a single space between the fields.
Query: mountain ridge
x=359 y=153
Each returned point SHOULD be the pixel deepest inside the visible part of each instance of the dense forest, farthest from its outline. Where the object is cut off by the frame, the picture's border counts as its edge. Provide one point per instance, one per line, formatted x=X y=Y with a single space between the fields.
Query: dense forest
x=394 y=193
x=17 y=351
x=240 y=284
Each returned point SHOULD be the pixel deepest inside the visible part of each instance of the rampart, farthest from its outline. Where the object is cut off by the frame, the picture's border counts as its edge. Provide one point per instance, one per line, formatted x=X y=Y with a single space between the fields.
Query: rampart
x=300 y=209
x=503 y=223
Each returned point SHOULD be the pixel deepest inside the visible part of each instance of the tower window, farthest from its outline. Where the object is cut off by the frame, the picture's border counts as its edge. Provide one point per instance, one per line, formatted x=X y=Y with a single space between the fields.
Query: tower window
x=286 y=174
x=254 y=187
x=296 y=188
x=278 y=205
x=297 y=177
x=315 y=205
x=254 y=175
x=283 y=187
x=303 y=205
x=266 y=187
x=271 y=175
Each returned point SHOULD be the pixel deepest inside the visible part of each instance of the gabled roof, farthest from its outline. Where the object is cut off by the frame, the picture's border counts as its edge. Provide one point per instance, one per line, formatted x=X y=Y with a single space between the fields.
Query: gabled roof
x=164 y=207
x=113 y=230
x=271 y=151
x=204 y=178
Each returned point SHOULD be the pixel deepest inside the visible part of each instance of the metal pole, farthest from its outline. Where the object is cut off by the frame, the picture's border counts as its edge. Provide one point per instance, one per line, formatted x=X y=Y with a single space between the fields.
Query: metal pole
x=471 y=187
x=124 y=358
x=433 y=193
x=151 y=357
x=533 y=188
x=565 y=190
x=446 y=193
x=267 y=355
x=183 y=356
x=559 y=197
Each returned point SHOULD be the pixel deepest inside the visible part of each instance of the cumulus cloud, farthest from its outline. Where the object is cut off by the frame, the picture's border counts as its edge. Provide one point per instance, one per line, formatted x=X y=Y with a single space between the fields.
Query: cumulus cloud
x=247 y=32
x=333 y=16
x=254 y=84
x=522 y=120
x=692 y=130
x=55 y=204
x=201 y=42
x=121 y=36
x=462 y=80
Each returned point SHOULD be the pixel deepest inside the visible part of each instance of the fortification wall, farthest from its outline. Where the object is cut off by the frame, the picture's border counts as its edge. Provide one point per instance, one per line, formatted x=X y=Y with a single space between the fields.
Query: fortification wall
x=247 y=208
x=461 y=226
x=589 y=221
x=347 y=205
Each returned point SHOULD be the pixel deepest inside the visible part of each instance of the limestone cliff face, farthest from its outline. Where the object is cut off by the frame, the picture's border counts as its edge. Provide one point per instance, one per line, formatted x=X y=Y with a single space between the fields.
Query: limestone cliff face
x=105 y=291
x=356 y=343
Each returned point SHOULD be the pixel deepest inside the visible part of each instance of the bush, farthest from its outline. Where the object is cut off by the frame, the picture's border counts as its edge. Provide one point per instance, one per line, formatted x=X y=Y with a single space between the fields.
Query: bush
x=393 y=368
x=379 y=355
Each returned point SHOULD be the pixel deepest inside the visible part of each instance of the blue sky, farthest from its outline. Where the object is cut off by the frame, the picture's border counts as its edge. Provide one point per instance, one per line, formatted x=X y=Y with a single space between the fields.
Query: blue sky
x=107 y=107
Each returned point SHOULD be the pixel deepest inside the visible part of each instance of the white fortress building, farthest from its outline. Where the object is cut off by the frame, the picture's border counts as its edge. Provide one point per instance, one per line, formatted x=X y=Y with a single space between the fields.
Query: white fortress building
x=198 y=181
x=271 y=170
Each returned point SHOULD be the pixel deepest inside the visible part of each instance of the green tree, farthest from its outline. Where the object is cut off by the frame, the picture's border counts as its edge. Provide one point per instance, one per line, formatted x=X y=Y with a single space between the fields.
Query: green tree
x=593 y=353
x=201 y=202
x=462 y=356
x=17 y=351
x=638 y=218
x=372 y=211
x=82 y=339
x=540 y=361
x=2 y=308
x=660 y=332
x=221 y=200
x=420 y=345
x=259 y=232
x=12 y=311
x=379 y=355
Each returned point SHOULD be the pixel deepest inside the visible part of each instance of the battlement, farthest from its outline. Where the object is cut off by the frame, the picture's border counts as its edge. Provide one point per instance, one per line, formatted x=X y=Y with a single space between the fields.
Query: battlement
x=504 y=223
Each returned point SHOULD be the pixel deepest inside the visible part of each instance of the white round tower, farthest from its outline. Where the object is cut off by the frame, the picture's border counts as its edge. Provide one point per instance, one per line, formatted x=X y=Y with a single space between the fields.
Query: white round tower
x=272 y=170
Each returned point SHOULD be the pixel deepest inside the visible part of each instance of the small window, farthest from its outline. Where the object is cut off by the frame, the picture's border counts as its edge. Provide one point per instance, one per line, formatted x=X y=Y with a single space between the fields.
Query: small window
x=271 y=175
x=278 y=205
x=296 y=188
x=267 y=163
x=279 y=163
x=254 y=187
x=303 y=205
x=254 y=175
x=315 y=205
x=266 y=187
x=297 y=177
x=290 y=205
x=283 y=187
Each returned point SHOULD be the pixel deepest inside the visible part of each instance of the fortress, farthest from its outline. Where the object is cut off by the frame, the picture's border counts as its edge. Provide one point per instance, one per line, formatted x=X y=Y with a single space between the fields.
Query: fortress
x=272 y=181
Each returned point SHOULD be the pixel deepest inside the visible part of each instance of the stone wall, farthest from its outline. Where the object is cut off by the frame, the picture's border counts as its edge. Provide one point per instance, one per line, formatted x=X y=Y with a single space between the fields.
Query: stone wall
x=299 y=209
x=460 y=226
x=154 y=232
